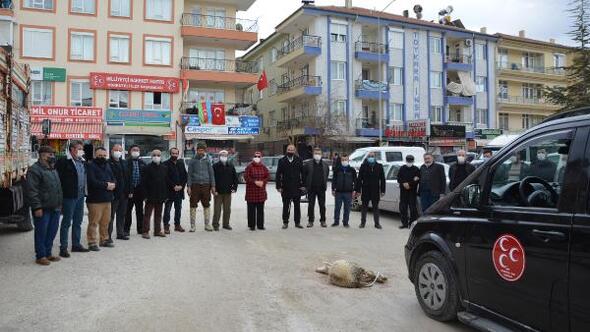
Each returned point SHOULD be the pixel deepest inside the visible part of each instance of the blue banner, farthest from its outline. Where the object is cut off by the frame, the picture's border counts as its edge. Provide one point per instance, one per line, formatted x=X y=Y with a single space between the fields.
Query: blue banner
x=243 y=131
x=250 y=121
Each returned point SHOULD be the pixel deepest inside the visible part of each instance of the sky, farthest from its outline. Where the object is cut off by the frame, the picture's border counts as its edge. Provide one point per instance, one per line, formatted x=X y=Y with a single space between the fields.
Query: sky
x=542 y=19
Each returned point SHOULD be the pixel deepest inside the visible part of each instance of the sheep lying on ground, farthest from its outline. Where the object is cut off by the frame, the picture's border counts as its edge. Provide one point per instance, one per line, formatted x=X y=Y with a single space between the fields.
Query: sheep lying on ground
x=346 y=274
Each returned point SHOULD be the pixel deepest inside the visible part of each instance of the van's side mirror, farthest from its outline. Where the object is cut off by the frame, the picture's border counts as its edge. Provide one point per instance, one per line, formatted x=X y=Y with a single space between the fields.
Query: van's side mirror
x=470 y=196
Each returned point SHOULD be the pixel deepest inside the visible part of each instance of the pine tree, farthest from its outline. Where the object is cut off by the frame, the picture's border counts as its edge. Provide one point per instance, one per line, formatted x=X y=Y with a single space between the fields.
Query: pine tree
x=577 y=92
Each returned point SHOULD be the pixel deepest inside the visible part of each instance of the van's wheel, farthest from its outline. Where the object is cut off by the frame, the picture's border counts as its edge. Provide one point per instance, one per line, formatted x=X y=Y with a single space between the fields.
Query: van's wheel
x=25 y=224
x=436 y=287
x=356 y=204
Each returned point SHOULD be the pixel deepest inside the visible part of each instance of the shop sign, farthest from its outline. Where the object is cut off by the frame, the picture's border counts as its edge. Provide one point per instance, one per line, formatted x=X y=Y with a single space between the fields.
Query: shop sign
x=67 y=114
x=207 y=130
x=446 y=142
x=487 y=133
x=129 y=118
x=243 y=131
x=48 y=74
x=447 y=131
x=233 y=125
x=111 y=81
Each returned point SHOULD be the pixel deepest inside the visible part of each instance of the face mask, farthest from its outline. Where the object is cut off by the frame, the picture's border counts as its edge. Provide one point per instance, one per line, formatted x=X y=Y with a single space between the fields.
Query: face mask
x=156 y=159
x=345 y=163
x=135 y=154
x=409 y=164
x=371 y=160
x=100 y=160
x=223 y=159
x=80 y=153
x=117 y=154
x=541 y=156
x=51 y=160
x=461 y=160
x=290 y=154
x=173 y=158
x=256 y=159
x=317 y=157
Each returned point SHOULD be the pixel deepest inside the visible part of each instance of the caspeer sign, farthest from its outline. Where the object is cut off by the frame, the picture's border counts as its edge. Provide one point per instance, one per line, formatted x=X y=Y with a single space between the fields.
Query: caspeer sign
x=509 y=258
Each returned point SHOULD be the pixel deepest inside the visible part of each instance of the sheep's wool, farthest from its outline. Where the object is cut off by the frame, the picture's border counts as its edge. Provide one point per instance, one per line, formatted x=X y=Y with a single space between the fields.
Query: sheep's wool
x=350 y=275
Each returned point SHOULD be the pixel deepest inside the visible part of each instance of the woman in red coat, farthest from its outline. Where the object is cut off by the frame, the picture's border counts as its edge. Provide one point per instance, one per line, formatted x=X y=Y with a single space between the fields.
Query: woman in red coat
x=256 y=176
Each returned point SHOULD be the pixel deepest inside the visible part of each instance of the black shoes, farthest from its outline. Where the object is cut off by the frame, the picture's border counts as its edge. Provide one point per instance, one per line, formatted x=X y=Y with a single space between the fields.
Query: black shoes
x=216 y=229
x=346 y=226
x=64 y=253
x=335 y=224
x=403 y=226
x=298 y=226
x=378 y=226
x=323 y=224
x=107 y=244
x=80 y=249
x=285 y=226
x=252 y=228
x=228 y=227
x=93 y=248
x=309 y=225
x=261 y=228
x=362 y=225
x=123 y=237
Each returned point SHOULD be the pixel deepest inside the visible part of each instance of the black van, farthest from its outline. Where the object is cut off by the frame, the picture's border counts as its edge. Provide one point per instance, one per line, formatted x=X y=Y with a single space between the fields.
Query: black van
x=509 y=249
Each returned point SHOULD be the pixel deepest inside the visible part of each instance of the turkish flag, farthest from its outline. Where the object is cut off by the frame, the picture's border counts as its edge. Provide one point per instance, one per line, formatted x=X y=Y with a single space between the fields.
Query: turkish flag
x=218 y=114
x=262 y=81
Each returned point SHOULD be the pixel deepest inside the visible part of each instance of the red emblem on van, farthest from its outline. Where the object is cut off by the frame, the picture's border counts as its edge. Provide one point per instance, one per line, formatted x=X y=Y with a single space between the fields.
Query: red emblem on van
x=509 y=257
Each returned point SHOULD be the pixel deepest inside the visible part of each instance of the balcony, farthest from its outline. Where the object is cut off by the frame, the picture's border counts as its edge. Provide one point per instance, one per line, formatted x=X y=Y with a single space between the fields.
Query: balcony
x=459 y=63
x=299 y=87
x=512 y=68
x=459 y=100
x=299 y=50
x=371 y=52
x=223 y=31
x=235 y=109
x=371 y=90
x=7 y=8
x=527 y=102
x=234 y=73
x=365 y=127
x=302 y=125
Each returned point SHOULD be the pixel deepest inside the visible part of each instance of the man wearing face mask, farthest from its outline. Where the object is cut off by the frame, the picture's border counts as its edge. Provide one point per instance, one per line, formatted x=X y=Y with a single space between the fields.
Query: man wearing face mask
x=460 y=170
x=289 y=182
x=176 y=182
x=343 y=190
x=44 y=194
x=135 y=193
x=101 y=184
x=408 y=178
x=156 y=192
x=72 y=175
x=119 y=204
x=226 y=184
x=200 y=186
x=433 y=182
x=371 y=185
x=316 y=183
x=543 y=167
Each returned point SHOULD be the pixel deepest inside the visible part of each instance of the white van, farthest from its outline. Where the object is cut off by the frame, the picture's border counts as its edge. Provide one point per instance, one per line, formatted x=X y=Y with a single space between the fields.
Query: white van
x=387 y=154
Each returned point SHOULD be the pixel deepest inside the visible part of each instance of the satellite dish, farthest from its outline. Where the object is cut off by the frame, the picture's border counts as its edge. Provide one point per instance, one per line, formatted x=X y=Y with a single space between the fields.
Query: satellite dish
x=418 y=11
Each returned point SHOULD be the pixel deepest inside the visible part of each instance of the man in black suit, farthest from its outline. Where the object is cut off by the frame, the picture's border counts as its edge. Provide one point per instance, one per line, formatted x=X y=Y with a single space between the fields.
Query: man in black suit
x=176 y=183
x=136 y=195
x=371 y=184
x=289 y=182
x=408 y=178
x=433 y=182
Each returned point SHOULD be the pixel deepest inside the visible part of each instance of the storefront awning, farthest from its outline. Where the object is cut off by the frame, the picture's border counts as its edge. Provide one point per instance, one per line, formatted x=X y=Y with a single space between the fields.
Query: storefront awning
x=138 y=130
x=93 y=131
x=189 y=136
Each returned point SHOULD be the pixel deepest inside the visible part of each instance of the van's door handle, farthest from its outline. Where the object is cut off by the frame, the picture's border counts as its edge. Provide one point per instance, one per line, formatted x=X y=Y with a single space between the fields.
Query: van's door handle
x=549 y=235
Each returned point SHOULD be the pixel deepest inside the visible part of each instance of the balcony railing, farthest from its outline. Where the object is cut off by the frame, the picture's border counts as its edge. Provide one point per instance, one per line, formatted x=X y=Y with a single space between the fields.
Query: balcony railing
x=226 y=65
x=366 y=123
x=466 y=59
x=371 y=47
x=230 y=108
x=301 y=81
x=541 y=70
x=369 y=85
x=297 y=43
x=219 y=22
x=520 y=100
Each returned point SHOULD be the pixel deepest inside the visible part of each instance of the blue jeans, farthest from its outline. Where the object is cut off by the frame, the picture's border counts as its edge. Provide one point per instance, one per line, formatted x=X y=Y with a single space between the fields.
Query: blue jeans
x=73 y=215
x=346 y=199
x=45 y=232
x=427 y=198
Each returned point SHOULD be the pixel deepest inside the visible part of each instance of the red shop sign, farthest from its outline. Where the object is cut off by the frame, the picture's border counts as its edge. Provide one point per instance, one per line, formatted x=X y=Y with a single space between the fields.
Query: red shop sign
x=67 y=114
x=108 y=81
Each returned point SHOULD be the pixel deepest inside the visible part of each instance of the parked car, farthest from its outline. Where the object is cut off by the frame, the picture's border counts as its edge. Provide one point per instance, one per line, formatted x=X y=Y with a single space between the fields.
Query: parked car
x=494 y=145
x=451 y=158
x=387 y=154
x=270 y=161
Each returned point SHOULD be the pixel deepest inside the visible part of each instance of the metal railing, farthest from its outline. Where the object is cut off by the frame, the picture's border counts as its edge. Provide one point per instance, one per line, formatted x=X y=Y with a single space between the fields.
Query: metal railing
x=301 y=81
x=371 y=47
x=230 y=108
x=370 y=85
x=520 y=100
x=466 y=59
x=297 y=43
x=519 y=67
x=366 y=123
x=211 y=64
x=219 y=22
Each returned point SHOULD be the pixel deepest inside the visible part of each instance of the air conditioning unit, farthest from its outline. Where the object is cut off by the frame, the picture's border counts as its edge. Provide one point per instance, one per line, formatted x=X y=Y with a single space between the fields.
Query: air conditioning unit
x=467 y=42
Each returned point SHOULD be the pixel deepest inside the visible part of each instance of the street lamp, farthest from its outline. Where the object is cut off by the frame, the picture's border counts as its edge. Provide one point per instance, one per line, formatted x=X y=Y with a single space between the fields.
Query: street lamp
x=380 y=72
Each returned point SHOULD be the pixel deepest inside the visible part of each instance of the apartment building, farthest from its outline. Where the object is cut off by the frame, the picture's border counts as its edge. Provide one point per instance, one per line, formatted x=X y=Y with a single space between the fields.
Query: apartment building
x=336 y=73
x=122 y=71
x=524 y=68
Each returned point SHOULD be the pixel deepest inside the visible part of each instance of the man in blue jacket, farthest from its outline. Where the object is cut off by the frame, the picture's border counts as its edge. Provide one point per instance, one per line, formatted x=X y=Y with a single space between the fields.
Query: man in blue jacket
x=101 y=184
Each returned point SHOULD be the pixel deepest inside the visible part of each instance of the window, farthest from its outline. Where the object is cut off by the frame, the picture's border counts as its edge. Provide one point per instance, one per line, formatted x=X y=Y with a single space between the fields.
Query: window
x=338 y=33
x=391 y=156
x=196 y=95
x=338 y=69
x=83 y=6
x=207 y=59
x=82 y=46
x=481 y=51
x=529 y=121
x=80 y=93
x=396 y=112
x=121 y=8
x=274 y=54
x=156 y=101
x=503 y=119
x=545 y=158
x=503 y=89
x=396 y=75
x=160 y=10
x=532 y=92
x=216 y=18
x=39 y=4
x=435 y=45
x=41 y=93
x=558 y=60
x=339 y=108
x=38 y=43
x=531 y=61
x=435 y=79
x=436 y=114
x=396 y=40
x=481 y=84
x=158 y=51
x=119 y=48
x=503 y=58
x=118 y=99
x=481 y=117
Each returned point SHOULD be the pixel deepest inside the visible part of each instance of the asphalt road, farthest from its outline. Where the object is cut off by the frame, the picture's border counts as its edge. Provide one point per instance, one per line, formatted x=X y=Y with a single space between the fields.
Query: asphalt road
x=227 y=281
